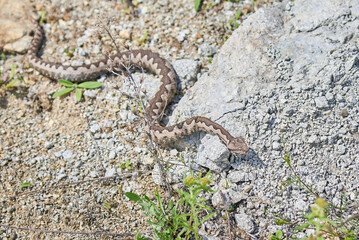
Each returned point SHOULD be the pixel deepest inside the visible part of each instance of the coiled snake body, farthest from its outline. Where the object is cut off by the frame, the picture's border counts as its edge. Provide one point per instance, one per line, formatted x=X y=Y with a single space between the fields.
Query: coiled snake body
x=149 y=60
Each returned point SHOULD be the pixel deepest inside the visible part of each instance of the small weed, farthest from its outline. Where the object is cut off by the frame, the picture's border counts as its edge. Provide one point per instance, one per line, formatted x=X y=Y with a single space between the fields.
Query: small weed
x=197 y=5
x=126 y=165
x=143 y=39
x=317 y=218
x=24 y=185
x=107 y=205
x=178 y=220
x=42 y=16
x=233 y=22
x=9 y=79
x=69 y=52
x=77 y=87
x=3 y=56
x=210 y=59
x=278 y=235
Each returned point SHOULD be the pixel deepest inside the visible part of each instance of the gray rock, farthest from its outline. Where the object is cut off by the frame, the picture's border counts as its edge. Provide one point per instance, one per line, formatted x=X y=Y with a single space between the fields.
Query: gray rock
x=112 y=155
x=245 y=222
x=321 y=102
x=214 y=156
x=48 y=145
x=207 y=50
x=237 y=176
x=110 y=172
x=301 y=205
x=68 y=154
x=61 y=176
x=186 y=69
x=94 y=128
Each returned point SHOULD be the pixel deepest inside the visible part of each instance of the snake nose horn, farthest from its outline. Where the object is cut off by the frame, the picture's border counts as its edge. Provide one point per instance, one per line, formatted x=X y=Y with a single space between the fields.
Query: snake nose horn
x=238 y=145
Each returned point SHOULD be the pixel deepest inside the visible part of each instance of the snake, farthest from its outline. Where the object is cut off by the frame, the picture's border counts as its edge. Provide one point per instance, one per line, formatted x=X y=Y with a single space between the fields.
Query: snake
x=143 y=59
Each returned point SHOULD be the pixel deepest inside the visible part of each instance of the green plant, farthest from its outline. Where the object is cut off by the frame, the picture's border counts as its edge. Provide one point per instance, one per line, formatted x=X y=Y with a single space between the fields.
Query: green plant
x=178 y=220
x=77 y=87
x=278 y=235
x=24 y=185
x=325 y=228
x=126 y=165
x=8 y=80
x=317 y=218
x=69 y=51
x=42 y=16
x=143 y=39
x=233 y=22
x=197 y=5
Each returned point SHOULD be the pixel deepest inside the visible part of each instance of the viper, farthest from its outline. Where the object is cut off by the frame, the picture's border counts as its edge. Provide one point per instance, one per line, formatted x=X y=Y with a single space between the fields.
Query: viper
x=141 y=59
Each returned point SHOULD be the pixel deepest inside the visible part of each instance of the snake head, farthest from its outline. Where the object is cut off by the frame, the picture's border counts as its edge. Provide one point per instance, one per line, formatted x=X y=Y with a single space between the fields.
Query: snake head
x=238 y=145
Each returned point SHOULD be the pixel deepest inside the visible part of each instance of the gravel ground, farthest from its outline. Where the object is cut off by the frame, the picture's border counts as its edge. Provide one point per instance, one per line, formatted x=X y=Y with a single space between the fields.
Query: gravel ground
x=49 y=142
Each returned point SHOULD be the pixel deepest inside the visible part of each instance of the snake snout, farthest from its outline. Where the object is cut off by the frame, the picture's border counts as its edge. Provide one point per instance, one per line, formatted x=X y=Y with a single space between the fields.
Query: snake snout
x=238 y=145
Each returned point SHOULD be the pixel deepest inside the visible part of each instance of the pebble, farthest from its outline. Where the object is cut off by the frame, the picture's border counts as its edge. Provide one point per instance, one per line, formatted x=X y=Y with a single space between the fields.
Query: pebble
x=68 y=154
x=245 y=222
x=321 y=102
x=48 y=145
x=110 y=172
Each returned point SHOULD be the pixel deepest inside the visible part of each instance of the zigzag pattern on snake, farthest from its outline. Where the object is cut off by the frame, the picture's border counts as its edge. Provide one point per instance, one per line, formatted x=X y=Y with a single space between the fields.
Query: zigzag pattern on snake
x=142 y=59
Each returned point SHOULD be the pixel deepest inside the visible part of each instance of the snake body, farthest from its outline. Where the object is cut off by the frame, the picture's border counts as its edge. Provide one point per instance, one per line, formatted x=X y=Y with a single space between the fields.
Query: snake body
x=142 y=59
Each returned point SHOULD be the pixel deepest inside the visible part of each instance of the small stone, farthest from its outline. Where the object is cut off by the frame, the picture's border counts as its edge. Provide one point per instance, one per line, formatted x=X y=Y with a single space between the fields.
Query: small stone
x=206 y=50
x=344 y=113
x=112 y=155
x=48 y=144
x=247 y=188
x=173 y=152
x=110 y=172
x=329 y=96
x=352 y=63
x=58 y=154
x=237 y=176
x=313 y=140
x=244 y=222
x=341 y=149
x=276 y=146
x=93 y=174
x=288 y=111
x=61 y=176
x=148 y=160
x=90 y=93
x=67 y=154
x=300 y=205
x=321 y=102
x=95 y=128
x=124 y=34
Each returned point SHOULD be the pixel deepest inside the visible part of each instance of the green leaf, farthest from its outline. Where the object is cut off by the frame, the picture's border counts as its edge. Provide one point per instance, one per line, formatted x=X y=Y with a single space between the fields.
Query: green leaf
x=207 y=217
x=133 y=196
x=3 y=56
x=62 y=92
x=42 y=16
x=279 y=234
x=24 y=185
x=90 y=85
x=11 y=84
x=238 y=14
x=78 y=94
x=65 y=83
x=197 y=4
x=12 y=73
